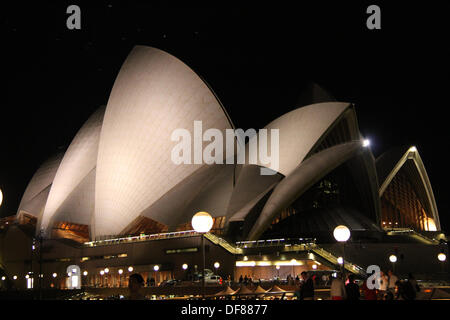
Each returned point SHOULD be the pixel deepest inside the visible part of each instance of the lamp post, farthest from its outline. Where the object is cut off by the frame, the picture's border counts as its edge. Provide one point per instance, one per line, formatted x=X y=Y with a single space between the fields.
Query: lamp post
x=393 y=260
x=341 y=233
x=156 y=268
x=86 y=282
x=120 y=277
x=102 y=272
x=202 y=222
x=106 y=270
x=442 y=258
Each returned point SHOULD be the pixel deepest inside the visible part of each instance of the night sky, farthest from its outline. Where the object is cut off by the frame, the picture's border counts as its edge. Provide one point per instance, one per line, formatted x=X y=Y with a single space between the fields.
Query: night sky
x=258 y=60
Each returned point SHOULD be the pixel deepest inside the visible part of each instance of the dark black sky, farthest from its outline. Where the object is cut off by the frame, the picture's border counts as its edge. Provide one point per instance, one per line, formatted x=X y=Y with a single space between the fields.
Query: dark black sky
x=257 y=60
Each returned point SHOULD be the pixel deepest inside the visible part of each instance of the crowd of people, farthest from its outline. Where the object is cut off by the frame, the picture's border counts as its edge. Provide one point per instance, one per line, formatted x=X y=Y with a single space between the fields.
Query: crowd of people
x=343 y=287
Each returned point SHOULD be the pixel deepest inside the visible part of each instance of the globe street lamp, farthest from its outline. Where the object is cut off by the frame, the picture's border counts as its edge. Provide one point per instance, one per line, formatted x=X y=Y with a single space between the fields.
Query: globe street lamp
x=341 y=233
x=393 y=260
x=86 y=283
x=120 y=277
x=102 y=272
x=156 y=268
x=106 y=276
x=184 y=266
x=216 y=265
x=202 y=222
x=442 y=257
x=130 y=269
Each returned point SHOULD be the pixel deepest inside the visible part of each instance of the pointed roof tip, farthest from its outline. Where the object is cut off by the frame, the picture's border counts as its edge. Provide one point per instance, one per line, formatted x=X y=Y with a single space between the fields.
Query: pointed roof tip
x=275 y=289
x=259 y=289
x=314 y=93
x=225 y=292
x=243 y=290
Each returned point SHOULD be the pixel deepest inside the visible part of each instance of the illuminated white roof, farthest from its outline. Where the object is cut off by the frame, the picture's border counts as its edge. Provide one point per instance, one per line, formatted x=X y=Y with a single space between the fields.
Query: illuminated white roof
x=154 y=94
x=35 y=196
x=79 y=160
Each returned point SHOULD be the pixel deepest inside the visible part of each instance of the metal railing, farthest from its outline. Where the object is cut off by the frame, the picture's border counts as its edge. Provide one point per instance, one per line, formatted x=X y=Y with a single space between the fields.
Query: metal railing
x=142 y=237
x=223 y=243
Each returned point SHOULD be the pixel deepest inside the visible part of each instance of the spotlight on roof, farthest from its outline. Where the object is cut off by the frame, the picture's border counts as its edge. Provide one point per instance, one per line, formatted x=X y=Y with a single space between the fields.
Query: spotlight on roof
x=366 y=142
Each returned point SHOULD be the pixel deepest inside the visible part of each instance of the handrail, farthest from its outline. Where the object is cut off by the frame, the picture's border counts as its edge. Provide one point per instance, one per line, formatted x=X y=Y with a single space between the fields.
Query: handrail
x=223 y=243
x=411 y=232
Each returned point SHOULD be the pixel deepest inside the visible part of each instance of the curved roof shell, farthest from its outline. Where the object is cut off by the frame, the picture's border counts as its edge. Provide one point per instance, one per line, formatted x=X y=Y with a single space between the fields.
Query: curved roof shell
x=154 y=94
x=36 y=194
x=300 y=131
x=78 y=161
x=389 y=163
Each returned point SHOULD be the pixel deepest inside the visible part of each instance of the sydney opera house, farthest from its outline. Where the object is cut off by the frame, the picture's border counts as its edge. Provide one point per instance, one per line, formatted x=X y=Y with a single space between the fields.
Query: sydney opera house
x=115 y=199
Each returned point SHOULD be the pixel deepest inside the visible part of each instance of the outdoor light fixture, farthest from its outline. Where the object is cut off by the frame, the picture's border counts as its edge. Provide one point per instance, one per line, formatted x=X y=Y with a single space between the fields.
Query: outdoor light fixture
x=340 y=260
x=15 y=277
x=442 y=257
x=393 y=258
x=130 y=269
x=102 y=272
x=106 y=270
x=3 y=278
x=216 y=265
x=54 y=275
x=278 y=267
x=202 y=222
x=120 y=271
x=341 y=233
x=156 y=268
x=85 y=273
x=27 y=276
x=413 y=149
x=314 y=266
x=184 y=266
x=366 y=142
x=1 y=197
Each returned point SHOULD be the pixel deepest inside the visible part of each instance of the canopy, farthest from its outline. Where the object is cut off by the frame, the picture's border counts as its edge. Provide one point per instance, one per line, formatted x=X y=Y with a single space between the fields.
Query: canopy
x=225 y=292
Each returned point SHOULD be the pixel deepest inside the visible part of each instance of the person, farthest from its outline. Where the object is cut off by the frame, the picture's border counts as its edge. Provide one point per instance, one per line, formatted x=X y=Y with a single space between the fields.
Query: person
x=392 y=280
x=352 y=289
x=245 y=279
x=369 y=294
x=152 y=282
x=413 y=282
x=148 y=282
x=404 y=290
x=337 y=290
x=383 y=285
x=241 y=279
x=324 y=279
x=306 y=287
x=135 y=284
